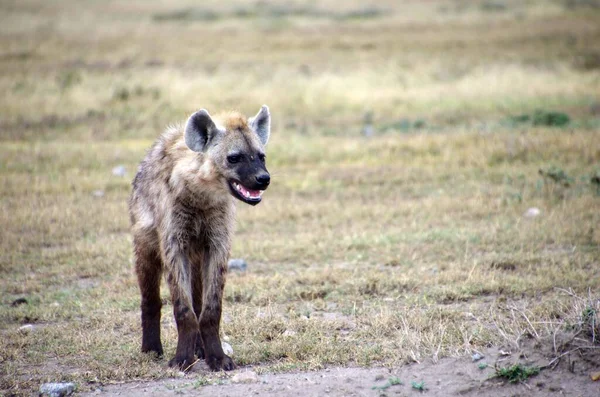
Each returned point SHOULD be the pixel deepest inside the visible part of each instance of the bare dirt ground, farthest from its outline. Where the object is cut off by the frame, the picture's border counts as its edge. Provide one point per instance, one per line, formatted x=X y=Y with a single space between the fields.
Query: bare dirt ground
x=448 y=377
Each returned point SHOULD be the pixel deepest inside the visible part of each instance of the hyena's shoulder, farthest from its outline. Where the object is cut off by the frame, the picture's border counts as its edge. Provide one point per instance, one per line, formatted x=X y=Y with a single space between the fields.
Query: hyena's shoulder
x=159 y=159
x=150 y=185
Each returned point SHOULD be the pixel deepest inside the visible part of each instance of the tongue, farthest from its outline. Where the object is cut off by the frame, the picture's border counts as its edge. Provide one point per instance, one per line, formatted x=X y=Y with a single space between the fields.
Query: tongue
x=250 y=193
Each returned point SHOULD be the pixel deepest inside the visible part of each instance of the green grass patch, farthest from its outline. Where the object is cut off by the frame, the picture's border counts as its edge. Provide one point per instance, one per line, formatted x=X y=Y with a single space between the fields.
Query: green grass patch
x=517 y=372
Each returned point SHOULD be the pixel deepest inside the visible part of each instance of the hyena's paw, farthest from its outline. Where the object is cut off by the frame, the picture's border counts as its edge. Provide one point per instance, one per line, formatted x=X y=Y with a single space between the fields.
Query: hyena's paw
x=183 y=363
x=224 y=363
x=155 y=349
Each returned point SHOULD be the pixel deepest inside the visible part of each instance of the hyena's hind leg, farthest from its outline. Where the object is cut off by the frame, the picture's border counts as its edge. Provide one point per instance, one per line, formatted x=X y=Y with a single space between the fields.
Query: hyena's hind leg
x=148 y=267
x=197 y=298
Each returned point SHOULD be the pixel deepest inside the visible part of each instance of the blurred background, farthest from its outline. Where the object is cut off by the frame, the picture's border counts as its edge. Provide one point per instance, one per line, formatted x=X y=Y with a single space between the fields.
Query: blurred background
x=430 y=158
x=101 y=70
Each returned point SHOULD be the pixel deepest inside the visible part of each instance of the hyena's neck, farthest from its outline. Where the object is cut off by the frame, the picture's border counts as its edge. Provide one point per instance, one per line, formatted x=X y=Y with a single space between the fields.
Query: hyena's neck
x=201 y=198
x=193 y=179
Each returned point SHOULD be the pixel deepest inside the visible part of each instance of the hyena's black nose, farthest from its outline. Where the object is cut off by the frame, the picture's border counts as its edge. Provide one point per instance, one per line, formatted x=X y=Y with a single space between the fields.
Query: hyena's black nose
x=263 y=179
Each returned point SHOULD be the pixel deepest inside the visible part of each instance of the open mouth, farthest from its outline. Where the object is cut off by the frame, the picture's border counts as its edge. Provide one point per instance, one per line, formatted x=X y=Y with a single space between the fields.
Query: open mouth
x=244 y=194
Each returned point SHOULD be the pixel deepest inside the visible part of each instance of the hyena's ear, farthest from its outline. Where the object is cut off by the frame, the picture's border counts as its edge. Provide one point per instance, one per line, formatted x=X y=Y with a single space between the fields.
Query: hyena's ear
x=198 y=130
x=261 y=124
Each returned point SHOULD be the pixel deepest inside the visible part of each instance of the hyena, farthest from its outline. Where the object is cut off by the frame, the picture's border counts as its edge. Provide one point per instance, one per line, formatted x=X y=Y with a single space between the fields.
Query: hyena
x=182 y=213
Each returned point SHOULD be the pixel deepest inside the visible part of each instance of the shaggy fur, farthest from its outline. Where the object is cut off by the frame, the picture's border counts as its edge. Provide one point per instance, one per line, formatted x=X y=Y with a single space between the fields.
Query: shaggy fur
x=182 y=214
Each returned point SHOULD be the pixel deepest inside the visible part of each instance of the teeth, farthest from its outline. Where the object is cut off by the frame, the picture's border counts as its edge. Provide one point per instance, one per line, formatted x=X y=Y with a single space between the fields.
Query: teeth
x=249 y=194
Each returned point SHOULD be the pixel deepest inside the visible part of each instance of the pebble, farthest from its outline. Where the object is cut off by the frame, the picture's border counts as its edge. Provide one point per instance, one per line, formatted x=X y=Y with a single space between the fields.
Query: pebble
x=57 y=389
x=532 y=212
x=237 y=264
x=119 y=170
x=477 y=357
x=27 y=328
x=227 y=349
x=245 y=377
x=289 y=332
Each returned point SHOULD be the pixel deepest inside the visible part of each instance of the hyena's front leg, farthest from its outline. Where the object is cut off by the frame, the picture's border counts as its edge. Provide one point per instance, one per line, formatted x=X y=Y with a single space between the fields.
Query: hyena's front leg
x=148 y=270
x=179 y=279
x=197 y=298
x=213 y=282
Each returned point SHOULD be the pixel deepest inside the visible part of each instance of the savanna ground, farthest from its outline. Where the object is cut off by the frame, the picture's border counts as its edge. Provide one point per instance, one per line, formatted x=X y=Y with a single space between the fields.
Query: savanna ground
x=406 y=245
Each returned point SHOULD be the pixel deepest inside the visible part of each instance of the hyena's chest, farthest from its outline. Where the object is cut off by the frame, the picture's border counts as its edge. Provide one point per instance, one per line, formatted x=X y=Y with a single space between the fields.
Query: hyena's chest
x=205 y=229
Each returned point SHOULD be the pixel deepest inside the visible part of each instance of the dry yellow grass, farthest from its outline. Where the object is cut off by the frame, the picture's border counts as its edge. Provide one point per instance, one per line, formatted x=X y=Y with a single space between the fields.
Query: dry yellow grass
x=406 y=245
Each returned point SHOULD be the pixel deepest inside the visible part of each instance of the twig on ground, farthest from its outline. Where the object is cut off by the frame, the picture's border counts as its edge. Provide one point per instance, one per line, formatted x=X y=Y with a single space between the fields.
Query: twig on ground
x=537 y=336
x=556 y=360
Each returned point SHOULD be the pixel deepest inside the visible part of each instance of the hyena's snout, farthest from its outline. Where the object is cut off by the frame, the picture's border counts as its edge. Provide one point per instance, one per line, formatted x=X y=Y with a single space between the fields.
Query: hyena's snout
x=263 y=180
x=250 y=186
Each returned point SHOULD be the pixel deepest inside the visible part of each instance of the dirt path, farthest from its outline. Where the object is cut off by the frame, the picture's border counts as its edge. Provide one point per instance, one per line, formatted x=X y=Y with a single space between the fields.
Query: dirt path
x=448 y=377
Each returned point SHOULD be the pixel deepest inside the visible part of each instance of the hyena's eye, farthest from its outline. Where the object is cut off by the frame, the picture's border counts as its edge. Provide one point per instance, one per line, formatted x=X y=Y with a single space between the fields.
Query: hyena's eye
x=262 y=157
x=234 y=158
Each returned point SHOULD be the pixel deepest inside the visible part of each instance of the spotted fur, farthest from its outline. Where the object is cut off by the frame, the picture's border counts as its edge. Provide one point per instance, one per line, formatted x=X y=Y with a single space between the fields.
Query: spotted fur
x=182 y=213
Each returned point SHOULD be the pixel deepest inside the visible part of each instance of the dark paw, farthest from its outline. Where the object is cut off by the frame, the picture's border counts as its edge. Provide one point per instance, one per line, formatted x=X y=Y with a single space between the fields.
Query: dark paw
x=224 y=363
x=183 y=363
x=156 y=349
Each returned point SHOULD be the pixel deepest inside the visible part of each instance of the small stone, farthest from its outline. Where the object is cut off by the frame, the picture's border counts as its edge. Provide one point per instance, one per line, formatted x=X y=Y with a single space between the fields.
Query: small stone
x=57 y=389
x=27 y=328
x=469 y=316
x=595 y=376
x=18 y=302
x=98 y=193
x=227 y=349
x=237 y=264
x=245 y=377
x=532 y=212
x=119 y=170
x=368 y=130
x=476 y=357
x=289 y=332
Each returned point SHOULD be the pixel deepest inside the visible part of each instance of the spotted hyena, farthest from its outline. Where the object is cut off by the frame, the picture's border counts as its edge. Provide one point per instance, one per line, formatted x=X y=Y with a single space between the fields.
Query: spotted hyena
x=182 y=213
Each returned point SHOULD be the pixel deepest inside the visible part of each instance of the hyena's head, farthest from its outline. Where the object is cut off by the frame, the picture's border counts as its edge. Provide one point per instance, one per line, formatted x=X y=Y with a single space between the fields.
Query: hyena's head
x=233 y=149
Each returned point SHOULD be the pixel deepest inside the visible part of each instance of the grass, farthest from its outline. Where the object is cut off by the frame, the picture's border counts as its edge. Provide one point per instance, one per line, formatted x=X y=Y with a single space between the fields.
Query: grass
x=382 y=250
x=392 y=381
x=517 y=372
x=420 y=386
